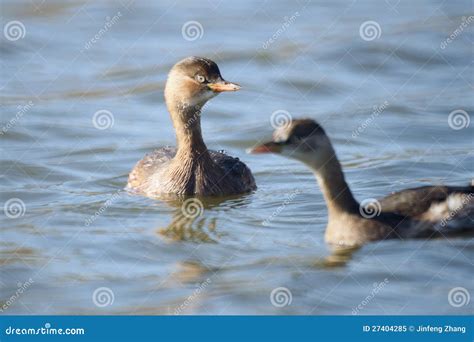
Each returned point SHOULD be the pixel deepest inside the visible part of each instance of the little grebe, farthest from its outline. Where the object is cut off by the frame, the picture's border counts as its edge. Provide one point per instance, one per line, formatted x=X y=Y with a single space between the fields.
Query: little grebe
x=419 y=212
x=190 y=168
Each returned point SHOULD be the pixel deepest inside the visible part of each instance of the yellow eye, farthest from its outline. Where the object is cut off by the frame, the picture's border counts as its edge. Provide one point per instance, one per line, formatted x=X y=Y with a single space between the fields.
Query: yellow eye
x=200 y=78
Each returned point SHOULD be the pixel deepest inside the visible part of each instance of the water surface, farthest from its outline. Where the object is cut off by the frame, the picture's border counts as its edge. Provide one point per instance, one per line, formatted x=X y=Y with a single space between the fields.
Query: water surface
x=79 y=232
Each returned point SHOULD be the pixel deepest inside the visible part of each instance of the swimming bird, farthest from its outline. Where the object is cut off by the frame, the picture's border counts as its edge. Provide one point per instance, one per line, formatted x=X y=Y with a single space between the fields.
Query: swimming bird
x=426 y=211
x=190 y=168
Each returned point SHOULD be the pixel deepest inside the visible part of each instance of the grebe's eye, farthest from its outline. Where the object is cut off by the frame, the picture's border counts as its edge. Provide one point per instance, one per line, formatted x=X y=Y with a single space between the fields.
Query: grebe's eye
x=200 y=78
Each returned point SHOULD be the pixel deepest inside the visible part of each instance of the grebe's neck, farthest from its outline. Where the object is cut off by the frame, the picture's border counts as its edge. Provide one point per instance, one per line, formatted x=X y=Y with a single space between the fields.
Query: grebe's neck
x=187 y=125
x=185 y=108
x=336 y=191
x=192 y=170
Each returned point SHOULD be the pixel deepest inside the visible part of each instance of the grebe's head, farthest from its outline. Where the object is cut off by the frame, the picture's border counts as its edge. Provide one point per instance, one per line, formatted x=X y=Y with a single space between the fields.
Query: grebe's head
x=193 y=81
x=303 y=140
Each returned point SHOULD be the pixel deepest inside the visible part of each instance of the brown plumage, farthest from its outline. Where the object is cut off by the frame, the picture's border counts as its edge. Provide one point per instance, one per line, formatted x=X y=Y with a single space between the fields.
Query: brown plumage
x=190 y=168
x=419 y=212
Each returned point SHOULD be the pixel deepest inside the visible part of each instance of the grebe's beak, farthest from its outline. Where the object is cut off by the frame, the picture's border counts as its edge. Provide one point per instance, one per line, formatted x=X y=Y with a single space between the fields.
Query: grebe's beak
x=222 y=86
x=268 y=147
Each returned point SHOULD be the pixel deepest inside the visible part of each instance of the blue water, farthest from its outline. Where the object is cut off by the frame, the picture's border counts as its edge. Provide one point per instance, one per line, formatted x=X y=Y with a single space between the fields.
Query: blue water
x=306 y=58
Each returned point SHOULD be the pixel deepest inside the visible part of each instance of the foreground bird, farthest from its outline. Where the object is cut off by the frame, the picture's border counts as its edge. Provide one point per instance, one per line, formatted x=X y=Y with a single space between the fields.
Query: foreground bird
x=419 y=212
x=190 y=168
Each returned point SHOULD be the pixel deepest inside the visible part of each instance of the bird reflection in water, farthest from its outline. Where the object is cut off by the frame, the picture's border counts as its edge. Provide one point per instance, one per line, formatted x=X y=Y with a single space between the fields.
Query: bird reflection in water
x=339 y=257
x=194 y=229
x=195 y=218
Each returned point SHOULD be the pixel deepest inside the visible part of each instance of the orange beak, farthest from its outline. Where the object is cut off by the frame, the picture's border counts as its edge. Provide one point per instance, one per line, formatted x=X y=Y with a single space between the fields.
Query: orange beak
x=268 y=147
x=223 y=86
